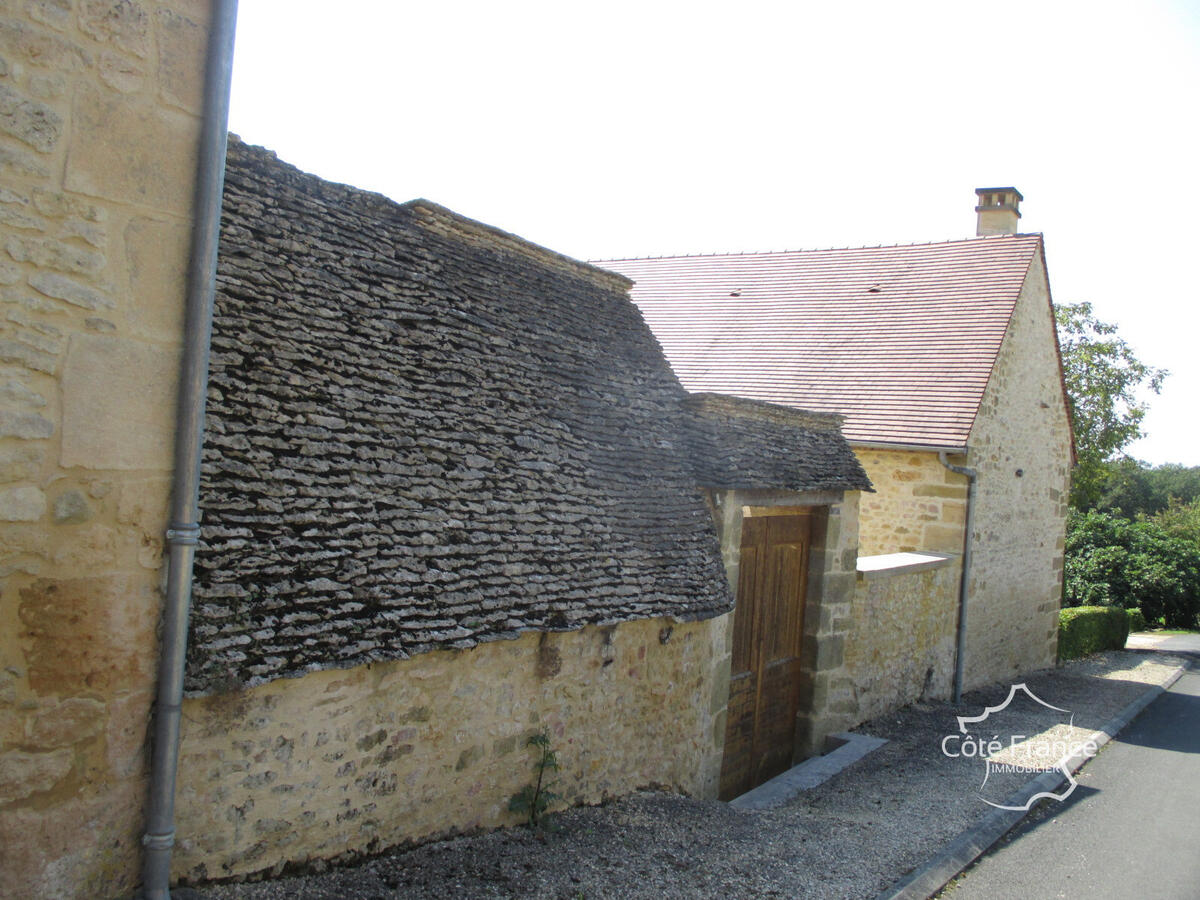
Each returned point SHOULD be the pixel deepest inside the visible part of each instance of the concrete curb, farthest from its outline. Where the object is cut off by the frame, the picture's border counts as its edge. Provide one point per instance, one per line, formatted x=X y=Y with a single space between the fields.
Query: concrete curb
x=931 y=877
x=808 y=774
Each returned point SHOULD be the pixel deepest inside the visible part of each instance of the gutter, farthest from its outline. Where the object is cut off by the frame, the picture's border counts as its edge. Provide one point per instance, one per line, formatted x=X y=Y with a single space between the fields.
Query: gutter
x=964 y=584
x=184 y=531
x=916 y=448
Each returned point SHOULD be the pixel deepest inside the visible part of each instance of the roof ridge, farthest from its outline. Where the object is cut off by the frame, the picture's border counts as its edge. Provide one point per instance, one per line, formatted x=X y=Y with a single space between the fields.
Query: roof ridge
x=966 y=240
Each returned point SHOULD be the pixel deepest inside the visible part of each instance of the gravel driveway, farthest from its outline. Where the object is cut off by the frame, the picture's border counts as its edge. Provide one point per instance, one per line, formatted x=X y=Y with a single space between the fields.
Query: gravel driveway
x=849 y=838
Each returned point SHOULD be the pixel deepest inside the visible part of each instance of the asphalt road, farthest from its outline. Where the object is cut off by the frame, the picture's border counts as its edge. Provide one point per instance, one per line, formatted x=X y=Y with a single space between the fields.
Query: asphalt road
x=1130 y=830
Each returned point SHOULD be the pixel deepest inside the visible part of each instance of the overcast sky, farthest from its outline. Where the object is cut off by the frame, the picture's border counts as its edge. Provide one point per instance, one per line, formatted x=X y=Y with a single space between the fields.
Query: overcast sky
x=632 y=129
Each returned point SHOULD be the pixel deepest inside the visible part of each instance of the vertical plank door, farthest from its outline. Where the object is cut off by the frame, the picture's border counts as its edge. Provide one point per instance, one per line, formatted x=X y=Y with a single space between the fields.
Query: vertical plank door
x=768 y=623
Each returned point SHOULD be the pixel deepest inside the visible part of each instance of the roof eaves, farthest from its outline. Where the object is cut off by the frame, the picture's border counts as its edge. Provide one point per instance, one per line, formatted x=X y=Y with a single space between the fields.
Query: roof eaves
x=913 y=447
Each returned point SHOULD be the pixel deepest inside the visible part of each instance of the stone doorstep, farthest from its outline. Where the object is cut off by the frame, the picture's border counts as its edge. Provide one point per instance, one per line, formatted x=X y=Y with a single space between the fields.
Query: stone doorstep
x=810 y=773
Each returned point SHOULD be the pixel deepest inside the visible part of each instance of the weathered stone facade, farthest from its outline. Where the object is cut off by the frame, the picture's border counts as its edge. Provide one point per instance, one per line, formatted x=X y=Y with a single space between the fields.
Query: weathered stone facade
x=918 y=503
x=900 y=646
x=348 y=761
x=1021 y=447
x=426 y=435
x=99 y=106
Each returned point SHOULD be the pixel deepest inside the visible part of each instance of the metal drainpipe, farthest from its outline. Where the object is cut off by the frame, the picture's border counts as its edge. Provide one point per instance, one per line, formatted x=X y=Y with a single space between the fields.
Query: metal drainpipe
x=184 y=530
x=964 y=586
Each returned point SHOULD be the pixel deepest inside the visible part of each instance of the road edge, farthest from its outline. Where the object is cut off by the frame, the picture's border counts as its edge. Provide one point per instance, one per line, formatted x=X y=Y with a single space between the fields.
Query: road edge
x=968 y=846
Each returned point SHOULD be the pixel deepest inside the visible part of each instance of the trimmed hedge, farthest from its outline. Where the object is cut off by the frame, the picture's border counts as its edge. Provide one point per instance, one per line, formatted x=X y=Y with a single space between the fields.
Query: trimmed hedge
x=1089 y=629
x=1137 y=621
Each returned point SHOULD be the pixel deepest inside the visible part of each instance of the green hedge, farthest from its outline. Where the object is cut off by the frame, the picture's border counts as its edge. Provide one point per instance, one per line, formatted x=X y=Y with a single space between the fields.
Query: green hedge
x=1089 y=629
x=1137 y=621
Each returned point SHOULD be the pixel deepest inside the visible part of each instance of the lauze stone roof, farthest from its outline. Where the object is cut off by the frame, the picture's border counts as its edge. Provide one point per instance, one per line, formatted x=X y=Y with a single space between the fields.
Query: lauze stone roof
x=423 y=432
x=748 y=444
x=900 y=340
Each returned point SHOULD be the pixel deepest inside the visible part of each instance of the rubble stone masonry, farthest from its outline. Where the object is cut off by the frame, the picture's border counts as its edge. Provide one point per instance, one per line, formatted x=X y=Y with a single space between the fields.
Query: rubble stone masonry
x=344 y=762
x=99 y=121
x=1021 y=447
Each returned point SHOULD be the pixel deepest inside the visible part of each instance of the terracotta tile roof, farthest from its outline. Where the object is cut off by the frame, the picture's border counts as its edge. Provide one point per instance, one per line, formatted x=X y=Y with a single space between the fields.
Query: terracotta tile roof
x=900 y=340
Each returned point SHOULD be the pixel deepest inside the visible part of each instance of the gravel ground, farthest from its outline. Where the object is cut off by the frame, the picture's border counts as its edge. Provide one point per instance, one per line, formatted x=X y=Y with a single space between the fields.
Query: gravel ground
x=849 y=838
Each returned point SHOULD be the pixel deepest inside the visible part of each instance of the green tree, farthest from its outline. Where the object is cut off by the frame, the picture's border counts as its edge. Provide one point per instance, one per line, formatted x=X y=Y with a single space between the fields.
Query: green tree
x=1112 y=561
x=1103 y=377
x=1136 y=489
x=1182 y=520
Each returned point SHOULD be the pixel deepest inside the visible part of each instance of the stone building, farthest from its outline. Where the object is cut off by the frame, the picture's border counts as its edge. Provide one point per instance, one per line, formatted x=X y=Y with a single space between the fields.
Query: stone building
x=453 y=494
x=941 y=357
x=99 y=126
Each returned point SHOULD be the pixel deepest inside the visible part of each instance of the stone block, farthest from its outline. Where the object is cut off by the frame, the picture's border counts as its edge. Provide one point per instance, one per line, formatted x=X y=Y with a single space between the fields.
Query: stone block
x=720 y=694
x=66 y=723
x=125 y=149
x=157 y=253
x=118 y=404
x=22 y=504
x=127 y=732
x=947 y=491
x=830 y=653
x=121 y=73
x=944 y=538
x=57 y=205
x=60 y=287
x=143 y=503
x=17 y=394
x=14 y=161
x=25 y=774
x=123 y=23
x=94 y=548
x=55 y=13
x=90 y=634
x=181 y=54
x=72 y=508
x=54 y=254
x=839 y=587
x=28 y=120
x=87 y=846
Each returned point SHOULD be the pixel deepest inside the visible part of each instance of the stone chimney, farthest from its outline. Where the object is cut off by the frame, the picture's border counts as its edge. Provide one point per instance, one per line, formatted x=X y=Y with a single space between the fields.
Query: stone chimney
x=999 y=209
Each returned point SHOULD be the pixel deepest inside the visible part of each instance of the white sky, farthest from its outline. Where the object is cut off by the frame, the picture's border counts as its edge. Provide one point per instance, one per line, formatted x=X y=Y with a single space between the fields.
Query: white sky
x=633 y=129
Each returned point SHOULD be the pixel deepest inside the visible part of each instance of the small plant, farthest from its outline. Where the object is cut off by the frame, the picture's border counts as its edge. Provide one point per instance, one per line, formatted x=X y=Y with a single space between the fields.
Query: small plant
x=533 y=800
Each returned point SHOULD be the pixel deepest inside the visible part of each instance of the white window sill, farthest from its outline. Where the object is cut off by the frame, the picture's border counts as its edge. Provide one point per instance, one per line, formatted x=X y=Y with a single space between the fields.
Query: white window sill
x=900 y=563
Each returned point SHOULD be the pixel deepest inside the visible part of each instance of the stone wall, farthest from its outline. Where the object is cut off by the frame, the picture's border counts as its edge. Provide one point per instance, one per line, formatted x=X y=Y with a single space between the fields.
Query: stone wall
x=350 y=761
x=918 y=503
x=1021 y=447
x=99 y=121
x=900 y=648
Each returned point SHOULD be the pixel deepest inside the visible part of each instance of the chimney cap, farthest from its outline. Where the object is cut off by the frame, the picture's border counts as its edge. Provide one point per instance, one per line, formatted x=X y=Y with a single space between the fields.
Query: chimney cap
x=979 y=192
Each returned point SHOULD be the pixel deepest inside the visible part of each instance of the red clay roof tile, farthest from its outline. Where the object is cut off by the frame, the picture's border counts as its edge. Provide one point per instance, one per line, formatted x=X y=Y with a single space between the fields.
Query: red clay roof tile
x=901 y=340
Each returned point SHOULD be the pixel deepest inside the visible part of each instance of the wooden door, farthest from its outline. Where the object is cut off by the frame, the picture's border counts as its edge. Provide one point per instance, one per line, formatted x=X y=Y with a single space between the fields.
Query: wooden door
x=768 y=623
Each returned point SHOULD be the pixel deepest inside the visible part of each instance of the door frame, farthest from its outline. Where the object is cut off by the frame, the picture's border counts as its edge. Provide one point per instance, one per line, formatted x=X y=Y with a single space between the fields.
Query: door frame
x=729 y=508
